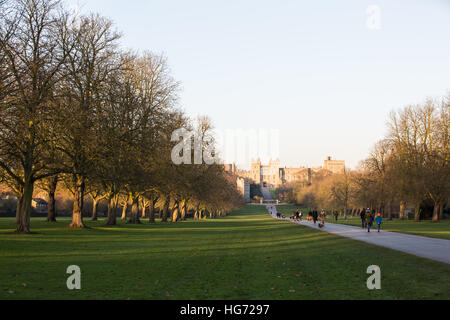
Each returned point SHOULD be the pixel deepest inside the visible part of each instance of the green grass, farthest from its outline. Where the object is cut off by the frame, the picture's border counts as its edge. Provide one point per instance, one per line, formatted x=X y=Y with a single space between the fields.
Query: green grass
x=439 y=230
x=247 y=255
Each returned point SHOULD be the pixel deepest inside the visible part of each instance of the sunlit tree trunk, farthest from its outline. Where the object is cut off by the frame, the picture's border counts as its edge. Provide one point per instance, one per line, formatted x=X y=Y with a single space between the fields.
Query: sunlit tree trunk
x=94 y=209
x=124 y=210
x=184 y=210
x=134 y=213
x=78 y=203
x=436 y=211
x=196 y=214
x=144 y=210
x=112 y=205
x=175 y=212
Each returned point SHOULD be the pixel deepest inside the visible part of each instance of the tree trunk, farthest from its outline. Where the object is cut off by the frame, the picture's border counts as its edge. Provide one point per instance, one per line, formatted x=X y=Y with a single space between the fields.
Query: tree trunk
x=144 y=209
x=166 y=210
x=184 y=210
x=124 y=211
x=390 y=211
x=175 y=212
x=134 y=214
x=196 y=213
x=19 y=203
x=417 y=211
x=94 y=209
x=152 y=210
x=51 y=215
x=436 y=211
x=112 y=205
x=78 y=203
x=24 y=212
x=401 y=214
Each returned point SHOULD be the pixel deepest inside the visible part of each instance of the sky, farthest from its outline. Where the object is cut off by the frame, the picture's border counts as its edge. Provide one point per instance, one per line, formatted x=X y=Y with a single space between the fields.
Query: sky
x=325 y=74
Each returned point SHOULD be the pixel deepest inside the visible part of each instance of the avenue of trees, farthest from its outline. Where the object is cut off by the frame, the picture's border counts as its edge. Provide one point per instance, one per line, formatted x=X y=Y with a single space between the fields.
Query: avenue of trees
x=409 y=168
x=79 y=112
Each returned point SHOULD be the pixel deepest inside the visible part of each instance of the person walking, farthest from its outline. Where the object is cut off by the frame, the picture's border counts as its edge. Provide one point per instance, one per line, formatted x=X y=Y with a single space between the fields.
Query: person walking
x=369 y=220
x=336 y=215
x=363 y=219
x=315 y=216
x=322 y=216
x=379 y=221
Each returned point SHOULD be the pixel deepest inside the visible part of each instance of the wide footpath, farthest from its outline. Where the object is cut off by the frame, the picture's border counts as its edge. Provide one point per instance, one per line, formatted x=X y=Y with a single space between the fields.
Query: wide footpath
x=435 y=249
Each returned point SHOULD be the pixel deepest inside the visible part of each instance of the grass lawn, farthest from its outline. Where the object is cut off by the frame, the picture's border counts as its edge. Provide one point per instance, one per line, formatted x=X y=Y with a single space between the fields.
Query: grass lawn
x=247 y=255
x=424 y=228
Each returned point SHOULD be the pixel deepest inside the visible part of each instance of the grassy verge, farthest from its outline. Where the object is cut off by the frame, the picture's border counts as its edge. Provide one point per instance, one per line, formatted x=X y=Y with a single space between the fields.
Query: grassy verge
x=247 y=255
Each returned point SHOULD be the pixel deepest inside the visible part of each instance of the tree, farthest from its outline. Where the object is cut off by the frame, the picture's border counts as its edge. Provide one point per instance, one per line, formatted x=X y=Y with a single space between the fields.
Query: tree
x=89 y=65
x=420 y=139
x=33 y=34
x=50 y=185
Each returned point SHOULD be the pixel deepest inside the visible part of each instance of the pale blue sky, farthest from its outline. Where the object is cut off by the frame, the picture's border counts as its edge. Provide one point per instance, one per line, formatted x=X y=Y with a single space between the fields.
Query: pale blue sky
x=311 y=69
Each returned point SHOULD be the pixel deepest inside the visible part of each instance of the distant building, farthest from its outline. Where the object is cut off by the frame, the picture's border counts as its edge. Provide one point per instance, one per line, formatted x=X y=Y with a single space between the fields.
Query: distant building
x=39 y=205
x=231 y=168
x=8 y=196
x=244 y=188
x=334 y=166
x=273 y=176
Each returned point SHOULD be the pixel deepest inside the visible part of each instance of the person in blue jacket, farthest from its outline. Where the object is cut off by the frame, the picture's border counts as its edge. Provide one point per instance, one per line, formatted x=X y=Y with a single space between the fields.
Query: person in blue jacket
x=379 y=220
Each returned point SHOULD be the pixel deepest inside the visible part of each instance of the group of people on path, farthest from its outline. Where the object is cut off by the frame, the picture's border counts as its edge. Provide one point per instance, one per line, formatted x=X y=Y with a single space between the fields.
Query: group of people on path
x=297 y=215
x=314 y=214
x=368 y=217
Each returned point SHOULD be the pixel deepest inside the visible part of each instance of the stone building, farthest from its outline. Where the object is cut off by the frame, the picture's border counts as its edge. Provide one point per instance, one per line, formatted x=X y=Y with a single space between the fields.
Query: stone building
x=244 y=188
x=273 y=176
x=334 y=166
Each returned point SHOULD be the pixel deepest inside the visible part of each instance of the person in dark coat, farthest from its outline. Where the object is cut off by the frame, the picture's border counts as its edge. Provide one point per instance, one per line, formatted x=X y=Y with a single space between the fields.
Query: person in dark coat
x=336 y=215
x=363 y=219
x=369 y=220
x=315 y=216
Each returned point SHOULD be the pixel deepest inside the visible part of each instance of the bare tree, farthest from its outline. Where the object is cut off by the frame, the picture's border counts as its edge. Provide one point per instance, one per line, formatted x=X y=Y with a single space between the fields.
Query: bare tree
x=89 y=65
x=33 y=36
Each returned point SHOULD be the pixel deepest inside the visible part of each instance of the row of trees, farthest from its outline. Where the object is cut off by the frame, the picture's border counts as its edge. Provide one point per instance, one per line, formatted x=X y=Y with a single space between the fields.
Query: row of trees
x=409 y=168
x=79 y=111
